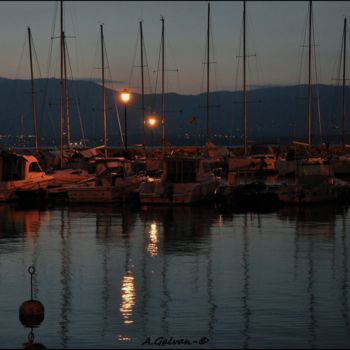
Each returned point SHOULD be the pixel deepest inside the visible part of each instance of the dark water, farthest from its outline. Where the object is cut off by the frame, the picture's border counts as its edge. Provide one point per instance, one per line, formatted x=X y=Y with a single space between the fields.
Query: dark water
x=120 y=277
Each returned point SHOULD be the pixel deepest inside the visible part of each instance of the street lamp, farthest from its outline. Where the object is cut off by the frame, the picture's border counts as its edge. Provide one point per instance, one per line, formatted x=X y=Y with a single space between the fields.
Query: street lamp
x=125 y=96
x=152 y=123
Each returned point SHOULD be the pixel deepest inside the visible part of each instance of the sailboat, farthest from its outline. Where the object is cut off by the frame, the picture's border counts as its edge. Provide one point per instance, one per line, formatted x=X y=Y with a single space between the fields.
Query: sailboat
x=301 y=152
x=66 y=174
x=184 y=179
x=22 y=175
x=115 y=179
x=150 y=162
x=259 y=160
x=315 y=183
x=341 y=163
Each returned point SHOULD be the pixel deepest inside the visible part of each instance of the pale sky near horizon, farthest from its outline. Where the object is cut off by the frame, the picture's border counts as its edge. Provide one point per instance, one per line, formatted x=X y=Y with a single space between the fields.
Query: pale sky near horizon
x=275 y=33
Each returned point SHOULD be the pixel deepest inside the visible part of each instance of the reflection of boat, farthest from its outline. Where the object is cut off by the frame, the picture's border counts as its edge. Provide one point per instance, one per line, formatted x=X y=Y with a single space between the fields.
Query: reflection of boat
x=184 y=180
x=15 y=222
x=20 y=173
x=176 y=229
x=315 y=183
x=115 y=181
x=321 y=215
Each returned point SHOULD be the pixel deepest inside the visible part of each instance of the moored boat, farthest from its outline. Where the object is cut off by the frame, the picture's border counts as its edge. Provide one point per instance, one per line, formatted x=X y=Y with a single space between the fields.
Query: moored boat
x=20 y=173
x=315 y=183
x=261 y=160
x=185 y=180
x=115 y=181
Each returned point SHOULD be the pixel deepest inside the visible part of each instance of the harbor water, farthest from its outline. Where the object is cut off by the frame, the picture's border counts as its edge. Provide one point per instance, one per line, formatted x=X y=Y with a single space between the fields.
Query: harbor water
x=183 y=277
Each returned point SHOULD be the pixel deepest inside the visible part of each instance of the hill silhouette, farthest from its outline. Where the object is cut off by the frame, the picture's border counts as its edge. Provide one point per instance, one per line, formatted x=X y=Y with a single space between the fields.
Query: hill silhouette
x=275 y=114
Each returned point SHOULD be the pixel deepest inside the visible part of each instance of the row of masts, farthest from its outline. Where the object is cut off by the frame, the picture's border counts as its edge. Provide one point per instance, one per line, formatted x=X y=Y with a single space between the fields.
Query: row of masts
x=64 y=101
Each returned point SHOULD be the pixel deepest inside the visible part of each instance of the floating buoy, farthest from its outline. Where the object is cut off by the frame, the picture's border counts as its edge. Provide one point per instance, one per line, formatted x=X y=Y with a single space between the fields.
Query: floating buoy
x=31 y=312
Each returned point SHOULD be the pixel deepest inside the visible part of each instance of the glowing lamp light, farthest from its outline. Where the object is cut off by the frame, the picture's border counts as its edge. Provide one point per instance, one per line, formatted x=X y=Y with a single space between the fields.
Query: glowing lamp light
x=152 y=121
x=125 y=95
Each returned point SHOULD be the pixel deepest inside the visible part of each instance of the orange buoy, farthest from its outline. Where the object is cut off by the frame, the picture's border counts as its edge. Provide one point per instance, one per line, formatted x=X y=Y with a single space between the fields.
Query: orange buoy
x=31 y=312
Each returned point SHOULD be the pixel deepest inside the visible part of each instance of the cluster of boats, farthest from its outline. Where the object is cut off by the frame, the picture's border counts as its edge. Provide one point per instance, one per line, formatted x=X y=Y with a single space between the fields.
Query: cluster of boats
x=178 y=175
x=182 y=177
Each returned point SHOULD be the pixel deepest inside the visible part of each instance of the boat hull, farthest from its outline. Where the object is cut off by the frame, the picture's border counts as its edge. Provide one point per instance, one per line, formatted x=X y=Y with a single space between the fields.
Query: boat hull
x=10 y=189
x=180 y=194
x=102 y=194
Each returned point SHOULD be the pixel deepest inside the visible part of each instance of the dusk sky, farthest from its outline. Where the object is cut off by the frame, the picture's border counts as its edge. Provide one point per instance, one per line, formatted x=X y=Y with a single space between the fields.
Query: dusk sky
x=275 y=33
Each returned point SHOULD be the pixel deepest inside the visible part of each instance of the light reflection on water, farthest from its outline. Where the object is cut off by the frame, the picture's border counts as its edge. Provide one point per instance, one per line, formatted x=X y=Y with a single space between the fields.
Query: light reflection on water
x=128 y=296
x=152 y=247
x=112 y=277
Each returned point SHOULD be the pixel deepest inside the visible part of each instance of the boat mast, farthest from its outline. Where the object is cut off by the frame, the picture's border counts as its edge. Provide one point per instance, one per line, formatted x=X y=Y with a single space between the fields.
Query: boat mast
x=103 y=94
x=142 y=87
x=244 y=82
x=208 y=79
x=309 y=83
x=344 y=62
x=33 y=91
x=163 y=89
x=66 y=90
x=61 y=85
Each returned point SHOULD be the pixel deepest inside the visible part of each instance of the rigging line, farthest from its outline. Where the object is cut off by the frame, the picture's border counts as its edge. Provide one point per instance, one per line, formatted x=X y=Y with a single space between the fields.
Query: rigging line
x=121 y=133
x=74 y=20
x=240 y=48
x=202 y=96
x=45 y=101
x=170 y=51
x=301 y=53
x=216 y=95
x=148 y=76
x=335 y=105
x=119 y=124
x=36 y=58
x=337 y=87
x=251 y=43
x=301 y=59
x=19 y=65
x=317 y=84
x=21 y=57
x=40 y=76
x=134 y=58
x=236 y=83
x=114 y=100
x=154 y=104
x=76 y=96
x=95 y=97
x=147 y=65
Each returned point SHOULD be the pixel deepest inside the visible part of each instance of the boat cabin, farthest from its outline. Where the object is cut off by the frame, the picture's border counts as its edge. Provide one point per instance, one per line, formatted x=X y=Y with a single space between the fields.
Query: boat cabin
x=186 y=170
x=17 y=167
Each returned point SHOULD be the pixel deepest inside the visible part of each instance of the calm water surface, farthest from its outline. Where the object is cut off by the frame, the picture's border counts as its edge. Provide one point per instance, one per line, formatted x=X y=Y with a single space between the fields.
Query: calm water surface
x=120 y=277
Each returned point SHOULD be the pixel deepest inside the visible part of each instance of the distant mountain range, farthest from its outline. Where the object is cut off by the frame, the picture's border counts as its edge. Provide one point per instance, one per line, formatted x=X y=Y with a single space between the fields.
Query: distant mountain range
x=275 y=114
